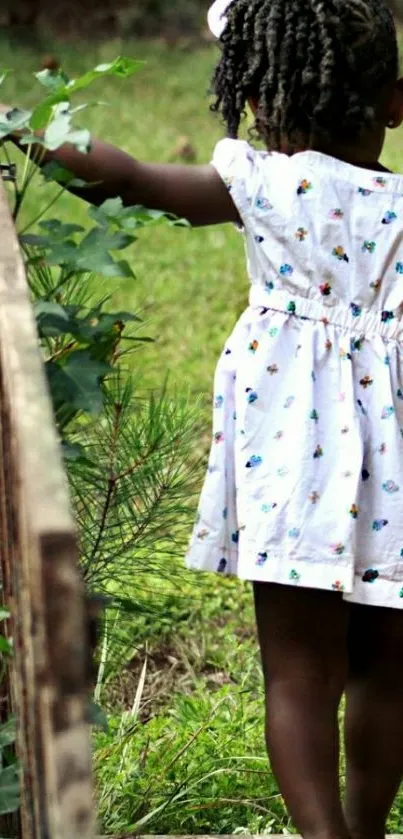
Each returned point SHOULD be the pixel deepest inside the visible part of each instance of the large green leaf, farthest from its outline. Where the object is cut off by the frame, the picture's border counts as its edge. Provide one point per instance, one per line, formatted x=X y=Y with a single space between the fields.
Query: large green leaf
x=9 y=790
x=92 y=253
x=5 y=646
x=15 y=120
x=78 y=382
x=120 y=67
x=59 y=130
x=55 y=172
x=53 y=319
x=7 y=733
x=52 y=80
x=61 y=93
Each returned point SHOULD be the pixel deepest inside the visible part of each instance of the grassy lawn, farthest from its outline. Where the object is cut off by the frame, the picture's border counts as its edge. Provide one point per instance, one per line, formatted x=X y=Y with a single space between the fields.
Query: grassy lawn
x=185 y=751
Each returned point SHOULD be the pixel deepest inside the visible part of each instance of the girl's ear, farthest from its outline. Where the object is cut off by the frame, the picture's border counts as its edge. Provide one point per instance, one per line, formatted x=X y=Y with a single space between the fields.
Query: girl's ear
x=395 y=110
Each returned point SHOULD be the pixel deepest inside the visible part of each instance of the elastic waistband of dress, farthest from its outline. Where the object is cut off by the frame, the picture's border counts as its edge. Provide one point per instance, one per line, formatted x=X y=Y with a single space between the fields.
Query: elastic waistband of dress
x=353 y=319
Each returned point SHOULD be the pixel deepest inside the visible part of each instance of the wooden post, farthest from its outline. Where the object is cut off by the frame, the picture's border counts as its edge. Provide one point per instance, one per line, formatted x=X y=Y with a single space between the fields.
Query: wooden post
x=41 y=582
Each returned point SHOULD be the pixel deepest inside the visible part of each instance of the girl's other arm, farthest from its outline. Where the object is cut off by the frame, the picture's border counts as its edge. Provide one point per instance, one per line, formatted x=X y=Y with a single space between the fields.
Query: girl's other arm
x=195 y=193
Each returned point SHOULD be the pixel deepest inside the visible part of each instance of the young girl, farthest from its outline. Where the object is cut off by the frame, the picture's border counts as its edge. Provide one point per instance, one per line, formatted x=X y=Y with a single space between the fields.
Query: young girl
x=305 y=479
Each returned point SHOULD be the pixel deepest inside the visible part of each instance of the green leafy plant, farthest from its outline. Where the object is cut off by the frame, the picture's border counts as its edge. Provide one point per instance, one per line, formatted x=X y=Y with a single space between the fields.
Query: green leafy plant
x=9 y=770
x=128 y=452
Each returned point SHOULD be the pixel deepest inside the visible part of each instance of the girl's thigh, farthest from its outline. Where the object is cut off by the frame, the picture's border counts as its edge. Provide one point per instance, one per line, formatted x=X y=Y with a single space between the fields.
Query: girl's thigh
x=303 y=633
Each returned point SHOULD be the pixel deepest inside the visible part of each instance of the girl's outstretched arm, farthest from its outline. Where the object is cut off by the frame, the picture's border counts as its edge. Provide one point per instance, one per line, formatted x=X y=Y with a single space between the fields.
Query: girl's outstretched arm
x=195 y=193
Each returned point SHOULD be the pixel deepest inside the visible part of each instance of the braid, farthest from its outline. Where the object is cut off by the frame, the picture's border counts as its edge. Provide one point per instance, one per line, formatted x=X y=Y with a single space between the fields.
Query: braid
x=317 y=68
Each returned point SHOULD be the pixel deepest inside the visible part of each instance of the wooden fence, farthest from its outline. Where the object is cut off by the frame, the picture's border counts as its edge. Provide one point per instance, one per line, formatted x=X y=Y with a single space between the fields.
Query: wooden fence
x=41 y=583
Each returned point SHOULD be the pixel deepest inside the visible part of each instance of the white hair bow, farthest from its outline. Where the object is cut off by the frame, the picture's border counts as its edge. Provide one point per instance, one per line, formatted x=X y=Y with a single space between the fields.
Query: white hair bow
x=216 y=17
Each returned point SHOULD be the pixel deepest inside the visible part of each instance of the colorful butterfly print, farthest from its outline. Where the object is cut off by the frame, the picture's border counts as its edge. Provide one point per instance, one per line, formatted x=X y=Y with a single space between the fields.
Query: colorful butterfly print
x=291 y=308
x=346 y=356
x=383 y=448
x=261 y=558
x=254 y=461
x=387 y=316
x=370 y=576
x=273 y=331
x=314 y=415
x=401 y=592
x=345 y=430
x=390 y=487
x=364 y=192
x=294 y=576
x=304 y=187
x=289 y=401
x=328 y=344
x=355 y=310
x=386 y=360
x=399 y=393
x=294 y=533
x=259 y=239
x=369 y=247
x=379 y=524
x=338 y=549
x=262 y=203
x=225 y=513
x=325 y=289
x=222 y=566
x=252 y=396
x=266 y=508
x=387 y=412
x=389 y=217
x=366 y=381
x=301 y=234
x=318 y=452
x=202 y=534
x=253 y=346
x=279 y=435
x=336 y=214
x=365 y=474
x=354 y=511
x=399 y=267
x=286 y=270
x=356 y=344
x=219 y=402
x=235 y=537
x=376 y=285
x=272 y=369
x=269 y=285
x=314 y=497
x=379 y=181
x=340 y=254
x=338 y=586
x=219 y=437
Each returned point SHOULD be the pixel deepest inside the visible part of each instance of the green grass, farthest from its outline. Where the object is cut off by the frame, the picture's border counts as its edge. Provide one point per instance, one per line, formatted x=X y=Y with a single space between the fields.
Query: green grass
x=189 y=757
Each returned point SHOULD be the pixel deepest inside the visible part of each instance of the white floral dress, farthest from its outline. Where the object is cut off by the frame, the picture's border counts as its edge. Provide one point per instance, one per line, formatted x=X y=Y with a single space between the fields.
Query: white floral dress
x=305 y=477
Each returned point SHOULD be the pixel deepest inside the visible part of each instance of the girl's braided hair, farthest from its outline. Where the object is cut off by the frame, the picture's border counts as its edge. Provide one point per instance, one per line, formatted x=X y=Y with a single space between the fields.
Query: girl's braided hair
x=317 y=68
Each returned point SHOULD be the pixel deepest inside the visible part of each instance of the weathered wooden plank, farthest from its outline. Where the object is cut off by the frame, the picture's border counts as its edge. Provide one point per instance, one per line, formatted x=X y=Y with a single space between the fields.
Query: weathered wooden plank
x=41 y=583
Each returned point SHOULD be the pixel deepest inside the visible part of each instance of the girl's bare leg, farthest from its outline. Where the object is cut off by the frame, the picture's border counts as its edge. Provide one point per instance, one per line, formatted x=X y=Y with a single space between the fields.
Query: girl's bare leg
x=303 y=639
x=374 y=719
